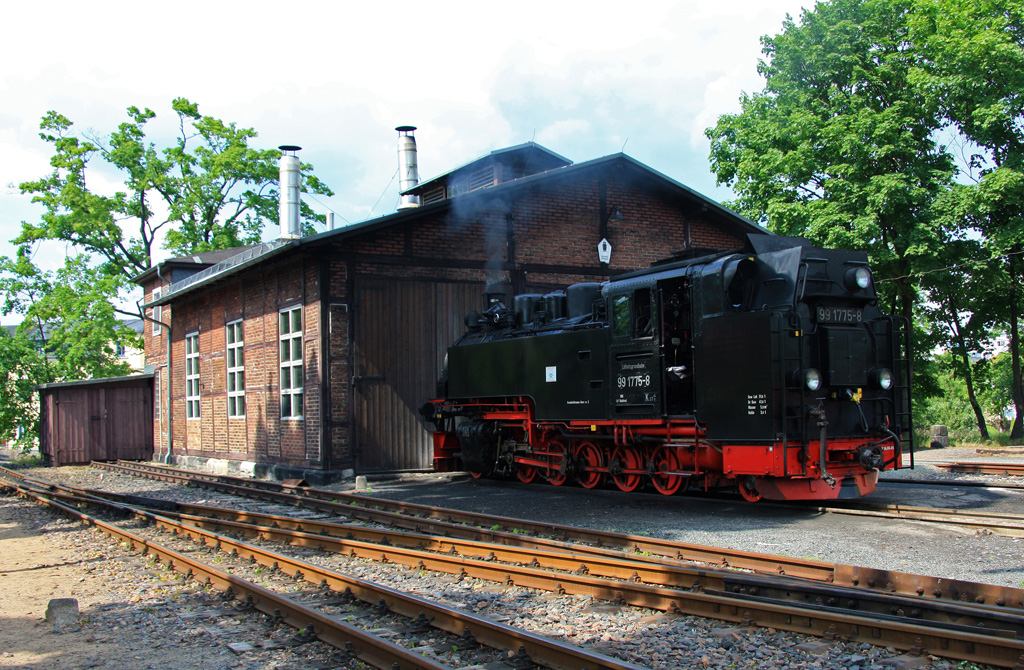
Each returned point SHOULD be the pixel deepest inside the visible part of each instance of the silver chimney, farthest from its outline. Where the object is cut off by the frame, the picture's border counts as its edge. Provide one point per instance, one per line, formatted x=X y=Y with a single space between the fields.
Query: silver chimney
x=408 y=174
x=289 y=192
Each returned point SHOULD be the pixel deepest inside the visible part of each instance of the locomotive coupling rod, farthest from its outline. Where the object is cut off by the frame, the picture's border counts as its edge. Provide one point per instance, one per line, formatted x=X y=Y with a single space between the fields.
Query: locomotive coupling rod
x=819 y=414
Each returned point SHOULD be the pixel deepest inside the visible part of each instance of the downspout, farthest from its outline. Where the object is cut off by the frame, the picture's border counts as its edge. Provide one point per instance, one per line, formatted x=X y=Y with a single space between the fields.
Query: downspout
x=167 y=379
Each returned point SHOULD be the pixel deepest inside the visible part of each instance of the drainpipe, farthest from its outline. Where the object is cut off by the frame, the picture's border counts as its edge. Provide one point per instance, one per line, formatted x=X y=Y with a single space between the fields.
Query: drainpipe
x=167 y=379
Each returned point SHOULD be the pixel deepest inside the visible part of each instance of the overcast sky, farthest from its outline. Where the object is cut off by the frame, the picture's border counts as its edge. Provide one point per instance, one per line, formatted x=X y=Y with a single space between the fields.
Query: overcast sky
x=584 y=79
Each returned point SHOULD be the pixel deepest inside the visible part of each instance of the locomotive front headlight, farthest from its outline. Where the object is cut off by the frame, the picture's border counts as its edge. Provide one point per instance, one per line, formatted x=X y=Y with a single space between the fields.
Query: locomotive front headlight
x=812 y=379
x=881 y=378
x=857 y=279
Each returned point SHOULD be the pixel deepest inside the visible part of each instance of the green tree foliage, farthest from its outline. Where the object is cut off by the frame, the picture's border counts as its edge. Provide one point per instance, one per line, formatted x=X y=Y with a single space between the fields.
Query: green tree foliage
x=971 y=65
x=210 y=190
x=69 y=330
x=839 y=146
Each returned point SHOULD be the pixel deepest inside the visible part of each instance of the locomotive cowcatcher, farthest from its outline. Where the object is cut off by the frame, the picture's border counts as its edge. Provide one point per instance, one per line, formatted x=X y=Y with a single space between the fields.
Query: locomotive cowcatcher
x=770 y=369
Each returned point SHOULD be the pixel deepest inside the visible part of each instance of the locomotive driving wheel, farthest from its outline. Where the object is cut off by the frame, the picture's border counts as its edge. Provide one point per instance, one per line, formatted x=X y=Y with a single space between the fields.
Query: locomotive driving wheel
x=526 y=473
x=664 y=461
x=588 y=458
x=556 y=461
x=629 y=459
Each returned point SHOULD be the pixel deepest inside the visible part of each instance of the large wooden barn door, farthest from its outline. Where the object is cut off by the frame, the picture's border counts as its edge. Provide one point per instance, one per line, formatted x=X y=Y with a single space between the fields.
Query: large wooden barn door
x=129 y=424
x=402 y=331
x=73 y=435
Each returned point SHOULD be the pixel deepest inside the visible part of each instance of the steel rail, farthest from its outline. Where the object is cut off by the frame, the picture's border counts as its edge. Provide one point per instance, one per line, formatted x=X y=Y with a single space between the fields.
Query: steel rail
x=346 y=538
x=947 y=482
x=365 y=646
x=876 y=630
x=1010 y=525
x=540 y=649
x=1011 y=469
x=415 y=517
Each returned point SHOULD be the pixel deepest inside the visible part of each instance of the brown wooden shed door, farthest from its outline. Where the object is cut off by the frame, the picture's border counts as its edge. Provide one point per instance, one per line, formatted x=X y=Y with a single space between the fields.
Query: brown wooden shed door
x=402 y=331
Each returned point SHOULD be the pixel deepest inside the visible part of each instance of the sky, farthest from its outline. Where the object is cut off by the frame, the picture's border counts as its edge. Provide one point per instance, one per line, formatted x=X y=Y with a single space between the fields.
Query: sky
x=584 y=79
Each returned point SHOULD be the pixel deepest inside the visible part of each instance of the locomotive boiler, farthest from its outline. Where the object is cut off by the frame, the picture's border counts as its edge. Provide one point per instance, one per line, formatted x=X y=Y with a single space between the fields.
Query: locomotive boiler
x=770 y=370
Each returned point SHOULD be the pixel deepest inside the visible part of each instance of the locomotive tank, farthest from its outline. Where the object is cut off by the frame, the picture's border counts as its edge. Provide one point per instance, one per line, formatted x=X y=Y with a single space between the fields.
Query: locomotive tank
x=770 y=369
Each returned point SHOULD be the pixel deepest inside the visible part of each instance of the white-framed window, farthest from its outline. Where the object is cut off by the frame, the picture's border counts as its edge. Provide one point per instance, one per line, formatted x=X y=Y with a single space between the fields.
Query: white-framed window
x=290 y=333
x=192 y=376
x=158 y=311
x=236 y=369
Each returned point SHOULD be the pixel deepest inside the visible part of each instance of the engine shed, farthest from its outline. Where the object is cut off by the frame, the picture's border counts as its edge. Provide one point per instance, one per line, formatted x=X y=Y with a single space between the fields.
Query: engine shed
x=308 y=356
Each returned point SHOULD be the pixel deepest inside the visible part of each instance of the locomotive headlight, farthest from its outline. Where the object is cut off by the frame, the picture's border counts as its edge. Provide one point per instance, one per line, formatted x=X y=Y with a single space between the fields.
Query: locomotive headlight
x=857 y=279
x=812 y=379
x=881 y=378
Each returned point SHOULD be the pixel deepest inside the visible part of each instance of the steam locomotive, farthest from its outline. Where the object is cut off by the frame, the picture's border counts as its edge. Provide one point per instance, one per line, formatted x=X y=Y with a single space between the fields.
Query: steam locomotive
x=769 y=370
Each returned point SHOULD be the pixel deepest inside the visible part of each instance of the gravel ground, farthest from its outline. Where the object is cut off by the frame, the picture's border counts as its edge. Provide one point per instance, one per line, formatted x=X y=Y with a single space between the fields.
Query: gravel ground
x=135 y=622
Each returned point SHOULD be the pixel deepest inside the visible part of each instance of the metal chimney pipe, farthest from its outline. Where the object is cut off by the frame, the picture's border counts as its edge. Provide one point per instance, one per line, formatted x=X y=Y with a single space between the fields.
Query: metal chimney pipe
x=288 y=187
x=408 y=173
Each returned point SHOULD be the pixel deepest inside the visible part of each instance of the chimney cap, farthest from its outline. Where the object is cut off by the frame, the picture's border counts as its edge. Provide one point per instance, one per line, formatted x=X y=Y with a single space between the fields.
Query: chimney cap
x=405 y=129
x=289 y=147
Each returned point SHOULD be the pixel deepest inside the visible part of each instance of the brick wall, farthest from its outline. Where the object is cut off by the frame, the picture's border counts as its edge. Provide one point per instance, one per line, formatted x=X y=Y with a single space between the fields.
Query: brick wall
x=545 y=238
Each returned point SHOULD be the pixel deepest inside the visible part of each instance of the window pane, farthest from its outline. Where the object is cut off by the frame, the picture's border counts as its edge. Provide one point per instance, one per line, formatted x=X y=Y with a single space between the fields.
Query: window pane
x=297 y=404
x=296 y=320
x=285 y=379
x=282 y=323
x=286 y=406
x=231 y=358
x=297 y=377
x=240 y=405
x=240 y=380
x=239 y=357
x=285 y=349
x=297 y=349
x=231 y=384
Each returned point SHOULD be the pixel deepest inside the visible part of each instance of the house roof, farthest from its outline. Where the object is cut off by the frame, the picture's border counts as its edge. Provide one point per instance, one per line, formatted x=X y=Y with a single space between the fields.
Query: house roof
x=204 y=259
x=249 y=256
x=527 y=158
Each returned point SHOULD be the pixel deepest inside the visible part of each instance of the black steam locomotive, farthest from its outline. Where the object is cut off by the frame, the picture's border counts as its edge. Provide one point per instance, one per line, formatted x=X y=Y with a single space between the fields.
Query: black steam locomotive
x=770 y=369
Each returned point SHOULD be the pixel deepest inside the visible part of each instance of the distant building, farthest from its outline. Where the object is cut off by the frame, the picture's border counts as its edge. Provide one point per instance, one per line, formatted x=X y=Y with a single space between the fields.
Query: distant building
x=308 y=356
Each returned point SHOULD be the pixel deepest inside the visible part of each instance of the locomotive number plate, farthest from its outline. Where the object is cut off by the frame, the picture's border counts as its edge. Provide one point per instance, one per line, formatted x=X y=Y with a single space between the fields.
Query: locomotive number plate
x=840 y=314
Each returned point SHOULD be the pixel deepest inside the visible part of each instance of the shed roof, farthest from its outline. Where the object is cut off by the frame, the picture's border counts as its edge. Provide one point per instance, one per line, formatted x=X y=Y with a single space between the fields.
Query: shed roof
x=250 y=256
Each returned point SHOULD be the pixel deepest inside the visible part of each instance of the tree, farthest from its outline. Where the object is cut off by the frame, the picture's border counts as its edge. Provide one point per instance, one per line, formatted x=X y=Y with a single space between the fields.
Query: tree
x=69 y=330
x=972 y=67
x=210 y=190
x=839 y=146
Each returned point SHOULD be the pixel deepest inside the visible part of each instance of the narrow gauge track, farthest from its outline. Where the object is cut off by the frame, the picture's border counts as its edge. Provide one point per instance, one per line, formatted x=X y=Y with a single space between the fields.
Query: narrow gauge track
x=517 y=532
x=1012 y=469
x=1010 y=525
x=466 y=630
x=997 y=645
x=947 y=482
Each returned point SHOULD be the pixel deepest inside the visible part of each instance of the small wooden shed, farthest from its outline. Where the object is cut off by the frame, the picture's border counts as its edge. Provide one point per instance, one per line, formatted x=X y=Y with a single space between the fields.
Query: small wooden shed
x=96 y=420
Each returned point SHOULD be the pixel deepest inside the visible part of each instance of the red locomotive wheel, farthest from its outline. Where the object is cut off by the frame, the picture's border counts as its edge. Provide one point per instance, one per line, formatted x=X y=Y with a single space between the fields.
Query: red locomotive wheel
x=555 y=462
x=629 y=459
x=526 y=473
x=476 y=475
x=664 y=462
x=748 y=489
x=588 y=457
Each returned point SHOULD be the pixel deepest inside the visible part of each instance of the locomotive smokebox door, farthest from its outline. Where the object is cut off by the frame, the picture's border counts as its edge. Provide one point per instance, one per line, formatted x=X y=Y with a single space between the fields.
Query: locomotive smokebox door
x=735 y=389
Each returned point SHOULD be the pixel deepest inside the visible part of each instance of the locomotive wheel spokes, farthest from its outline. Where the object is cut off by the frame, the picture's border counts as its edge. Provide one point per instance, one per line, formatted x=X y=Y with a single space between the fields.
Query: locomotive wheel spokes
x=526 y=473
x=555 y=462
x=748 y=489
x=588 y=457
x=629 y=459
x=664 y=461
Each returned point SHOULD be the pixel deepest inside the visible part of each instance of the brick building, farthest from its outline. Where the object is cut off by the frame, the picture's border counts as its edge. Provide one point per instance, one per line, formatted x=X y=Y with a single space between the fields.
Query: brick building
x=310 y=356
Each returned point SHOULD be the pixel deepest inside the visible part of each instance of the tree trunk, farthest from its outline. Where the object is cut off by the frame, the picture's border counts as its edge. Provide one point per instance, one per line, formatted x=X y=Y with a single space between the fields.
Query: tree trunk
x=968 y=373
x=1018 y=388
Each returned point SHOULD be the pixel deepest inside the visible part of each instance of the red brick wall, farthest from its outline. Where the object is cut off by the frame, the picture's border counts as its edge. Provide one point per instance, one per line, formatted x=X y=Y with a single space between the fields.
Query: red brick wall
x=256 y=297
x=555 y=231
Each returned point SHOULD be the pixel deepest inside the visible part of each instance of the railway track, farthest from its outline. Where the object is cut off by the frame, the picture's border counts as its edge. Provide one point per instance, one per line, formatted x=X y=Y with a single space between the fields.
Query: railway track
x=333 y=589
x=517 y=532
x=938 y=626
x=1010 y=469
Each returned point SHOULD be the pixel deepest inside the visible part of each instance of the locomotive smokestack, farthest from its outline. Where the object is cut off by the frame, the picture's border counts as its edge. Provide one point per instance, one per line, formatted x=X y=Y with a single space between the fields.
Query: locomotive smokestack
x=408 y=173
x=288 y=187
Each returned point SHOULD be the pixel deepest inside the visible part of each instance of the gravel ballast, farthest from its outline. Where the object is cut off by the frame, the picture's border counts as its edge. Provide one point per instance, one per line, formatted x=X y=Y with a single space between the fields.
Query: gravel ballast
x=126 y=615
